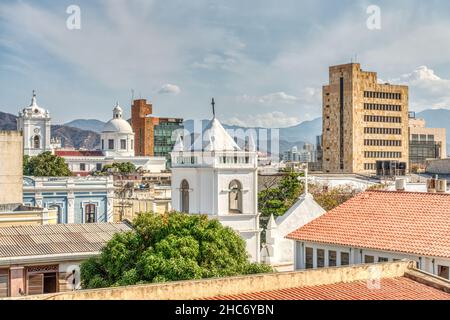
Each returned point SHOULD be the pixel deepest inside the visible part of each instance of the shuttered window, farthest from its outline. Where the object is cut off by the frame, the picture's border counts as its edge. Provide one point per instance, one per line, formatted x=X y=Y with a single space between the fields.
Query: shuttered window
x=320 y=258
x=309 y=258
x=35 y=284
x=4 y=283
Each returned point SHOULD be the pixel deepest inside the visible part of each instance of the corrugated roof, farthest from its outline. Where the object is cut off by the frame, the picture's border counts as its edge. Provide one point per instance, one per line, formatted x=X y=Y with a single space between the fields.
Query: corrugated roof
x=407 y=222
x=56 y=239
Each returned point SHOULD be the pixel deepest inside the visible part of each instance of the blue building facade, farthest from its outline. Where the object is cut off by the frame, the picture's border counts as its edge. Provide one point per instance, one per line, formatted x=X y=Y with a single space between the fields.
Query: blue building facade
x=76 y=199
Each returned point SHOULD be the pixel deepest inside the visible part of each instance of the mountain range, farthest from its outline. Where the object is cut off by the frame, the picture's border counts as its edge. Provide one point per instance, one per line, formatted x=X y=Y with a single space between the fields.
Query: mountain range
x=71 y=137
x=85 y=133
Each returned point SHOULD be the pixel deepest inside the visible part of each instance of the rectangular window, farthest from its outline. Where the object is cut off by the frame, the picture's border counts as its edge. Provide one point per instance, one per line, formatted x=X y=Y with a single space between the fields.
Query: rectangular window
x=345 y=258
x=382 y=259
x=320 y=258
x=82 y=167
x=444 y=272
x=123 y=144
x=103 y=144
x=98 y=167
x=4 y=283
x=332 y=258
x=111 y=144
x=369 y=259
x=309 y=252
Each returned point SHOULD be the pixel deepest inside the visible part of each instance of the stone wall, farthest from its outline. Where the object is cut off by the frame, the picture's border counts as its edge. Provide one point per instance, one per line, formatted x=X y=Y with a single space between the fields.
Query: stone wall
x=11 y=167
x=237 y=285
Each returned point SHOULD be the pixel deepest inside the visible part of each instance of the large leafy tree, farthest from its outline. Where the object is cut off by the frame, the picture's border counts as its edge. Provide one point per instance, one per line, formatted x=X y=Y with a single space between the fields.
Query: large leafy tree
x=45 y=165
x=169 y=247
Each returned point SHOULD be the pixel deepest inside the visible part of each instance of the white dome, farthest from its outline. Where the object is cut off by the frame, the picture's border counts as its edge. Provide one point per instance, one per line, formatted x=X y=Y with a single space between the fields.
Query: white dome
x=117 y=125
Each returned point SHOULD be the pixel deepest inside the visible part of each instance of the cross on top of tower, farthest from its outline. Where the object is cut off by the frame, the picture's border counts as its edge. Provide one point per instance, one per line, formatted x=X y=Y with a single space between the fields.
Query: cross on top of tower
x=213 y=103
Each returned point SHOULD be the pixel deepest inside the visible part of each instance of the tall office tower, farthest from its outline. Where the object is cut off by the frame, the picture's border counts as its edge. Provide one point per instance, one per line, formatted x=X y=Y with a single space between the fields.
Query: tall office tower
x=365 y=123
x=154 y=136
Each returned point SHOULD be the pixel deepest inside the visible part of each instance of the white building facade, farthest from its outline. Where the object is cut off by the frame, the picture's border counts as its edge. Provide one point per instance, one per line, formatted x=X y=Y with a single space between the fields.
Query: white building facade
x=217 y=178
x=76 y=199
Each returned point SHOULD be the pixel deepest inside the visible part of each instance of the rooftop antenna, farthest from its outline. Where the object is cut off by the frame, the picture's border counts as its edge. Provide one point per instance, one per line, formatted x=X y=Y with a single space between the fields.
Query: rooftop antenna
x=213 y=103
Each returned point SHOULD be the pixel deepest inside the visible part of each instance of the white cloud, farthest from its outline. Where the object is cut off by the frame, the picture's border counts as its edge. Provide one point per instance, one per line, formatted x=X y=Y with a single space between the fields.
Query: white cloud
x=426 y=89
x=274 y=119
x=272 y=98
x=169 y=89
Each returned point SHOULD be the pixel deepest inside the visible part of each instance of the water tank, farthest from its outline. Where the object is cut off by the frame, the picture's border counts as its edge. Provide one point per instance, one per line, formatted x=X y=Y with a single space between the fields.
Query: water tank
x=400 y=185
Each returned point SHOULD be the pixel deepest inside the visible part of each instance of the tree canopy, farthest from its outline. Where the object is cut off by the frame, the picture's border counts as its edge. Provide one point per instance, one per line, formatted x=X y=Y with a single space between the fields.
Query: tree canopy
x=45 y=165
x=279 y=198
x=169 y=247
x=121 y=167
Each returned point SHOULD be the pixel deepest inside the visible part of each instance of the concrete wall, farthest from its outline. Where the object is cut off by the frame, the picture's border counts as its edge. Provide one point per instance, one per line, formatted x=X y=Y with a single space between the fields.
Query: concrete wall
x=11 y=167
x=439 y=167
x=236 y=285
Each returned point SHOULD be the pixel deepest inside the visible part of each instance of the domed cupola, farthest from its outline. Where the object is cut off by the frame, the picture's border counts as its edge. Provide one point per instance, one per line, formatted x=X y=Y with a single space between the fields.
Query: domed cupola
x=117 y=137
x=117 y=112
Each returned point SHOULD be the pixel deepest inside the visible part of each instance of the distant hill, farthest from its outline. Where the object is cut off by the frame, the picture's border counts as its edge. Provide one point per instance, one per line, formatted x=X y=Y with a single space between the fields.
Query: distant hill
x=70 y=137
x=7 y=121
x=76 y=138
x=86 y=124
x=437 y=118
x=298 y=135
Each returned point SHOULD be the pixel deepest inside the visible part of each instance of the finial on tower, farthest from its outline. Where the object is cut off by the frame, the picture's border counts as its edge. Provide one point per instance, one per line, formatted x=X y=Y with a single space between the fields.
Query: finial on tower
x=33 y=98
x=213 y=103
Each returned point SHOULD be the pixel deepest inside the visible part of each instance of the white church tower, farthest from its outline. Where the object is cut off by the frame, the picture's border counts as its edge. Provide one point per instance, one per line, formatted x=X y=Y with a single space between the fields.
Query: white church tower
x=216 y=177
x=35 y=123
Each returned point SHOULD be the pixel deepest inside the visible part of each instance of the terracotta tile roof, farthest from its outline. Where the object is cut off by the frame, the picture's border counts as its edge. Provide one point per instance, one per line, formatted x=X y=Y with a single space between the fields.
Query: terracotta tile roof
x=408 y=222
x=79 y=153
x=400 y=288
x=56 y=239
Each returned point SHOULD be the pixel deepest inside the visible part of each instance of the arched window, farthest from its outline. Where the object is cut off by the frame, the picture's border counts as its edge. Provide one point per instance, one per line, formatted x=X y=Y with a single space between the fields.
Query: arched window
x=90 y=213
x=184 y=191
x=235 y=197
x=37 y=142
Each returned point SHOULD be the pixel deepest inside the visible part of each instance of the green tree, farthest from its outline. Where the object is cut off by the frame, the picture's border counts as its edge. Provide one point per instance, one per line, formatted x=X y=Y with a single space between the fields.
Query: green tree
x=169 y=247
x=45 y=165
x=121 y=167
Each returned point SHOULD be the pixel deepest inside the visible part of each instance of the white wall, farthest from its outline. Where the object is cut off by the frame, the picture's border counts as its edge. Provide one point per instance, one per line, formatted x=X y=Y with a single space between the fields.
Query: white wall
x=357 y=256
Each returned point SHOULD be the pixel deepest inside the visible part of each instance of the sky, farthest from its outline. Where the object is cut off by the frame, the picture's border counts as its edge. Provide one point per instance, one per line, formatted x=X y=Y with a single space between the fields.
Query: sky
x=264 y=62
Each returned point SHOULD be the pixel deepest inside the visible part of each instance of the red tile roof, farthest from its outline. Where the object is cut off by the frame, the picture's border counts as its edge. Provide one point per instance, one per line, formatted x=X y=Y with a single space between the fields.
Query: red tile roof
x=408 y=222
x=400 y=288
x=78 y=153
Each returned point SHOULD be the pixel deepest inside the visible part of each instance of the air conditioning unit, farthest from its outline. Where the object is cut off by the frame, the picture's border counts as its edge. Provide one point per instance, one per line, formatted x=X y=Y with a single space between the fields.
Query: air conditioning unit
x=441 y=186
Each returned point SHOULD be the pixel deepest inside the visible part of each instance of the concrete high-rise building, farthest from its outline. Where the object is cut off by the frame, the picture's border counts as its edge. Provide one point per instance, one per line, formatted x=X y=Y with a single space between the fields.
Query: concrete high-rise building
x=365 y=123
x=425 y=143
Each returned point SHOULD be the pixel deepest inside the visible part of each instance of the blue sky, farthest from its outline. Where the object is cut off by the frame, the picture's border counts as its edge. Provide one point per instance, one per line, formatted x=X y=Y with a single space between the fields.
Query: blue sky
x=264 y=61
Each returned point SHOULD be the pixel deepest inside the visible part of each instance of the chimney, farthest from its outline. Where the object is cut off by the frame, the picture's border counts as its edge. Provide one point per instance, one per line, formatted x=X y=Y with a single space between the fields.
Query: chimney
x=441 y=186
x=400 y=184
x=431 y=185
